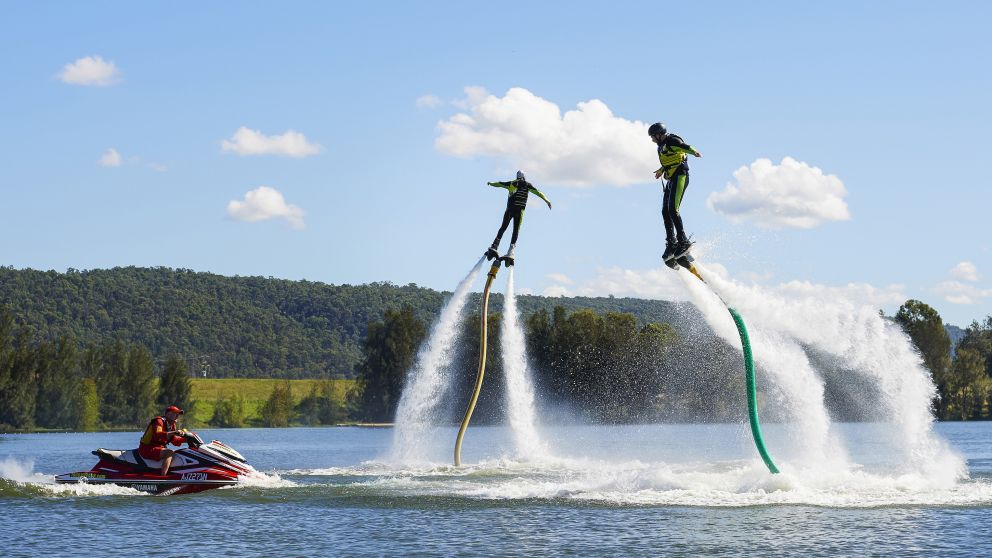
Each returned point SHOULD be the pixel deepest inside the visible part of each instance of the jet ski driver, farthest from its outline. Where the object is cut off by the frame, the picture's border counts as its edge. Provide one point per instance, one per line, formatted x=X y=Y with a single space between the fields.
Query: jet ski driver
x=161 y=430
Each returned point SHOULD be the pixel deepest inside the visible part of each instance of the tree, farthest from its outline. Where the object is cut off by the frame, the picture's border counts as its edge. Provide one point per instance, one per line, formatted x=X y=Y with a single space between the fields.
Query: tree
x=604 y=364
x=389 y=351
x=229 y=412
x=924 y=326
x=88 y=415
x=107 y=364
x=6 y=358
x=58 y=384
x=18 y=380
x=978 y=337
x=969 y=382
x=278 y=409
x=125 y=380
x=968 y=385
x=139 y=387
x=175 y=386
x=320 y=406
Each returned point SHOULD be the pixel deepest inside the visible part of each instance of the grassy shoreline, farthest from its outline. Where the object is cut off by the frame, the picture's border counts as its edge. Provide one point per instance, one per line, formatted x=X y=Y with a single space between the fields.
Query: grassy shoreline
x=254 y=392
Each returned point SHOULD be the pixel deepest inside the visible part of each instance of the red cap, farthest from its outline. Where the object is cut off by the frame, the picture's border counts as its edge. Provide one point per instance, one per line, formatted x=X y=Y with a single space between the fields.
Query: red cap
x=174 y=409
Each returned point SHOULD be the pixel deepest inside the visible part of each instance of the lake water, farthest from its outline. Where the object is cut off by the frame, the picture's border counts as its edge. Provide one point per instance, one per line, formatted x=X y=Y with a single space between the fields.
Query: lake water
x=592 y=490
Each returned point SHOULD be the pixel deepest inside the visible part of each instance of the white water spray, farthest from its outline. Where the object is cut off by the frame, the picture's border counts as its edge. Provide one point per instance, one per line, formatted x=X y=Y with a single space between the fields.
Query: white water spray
x=519 y=386
x=428 y=379
x=861 y=341
x=791 y=372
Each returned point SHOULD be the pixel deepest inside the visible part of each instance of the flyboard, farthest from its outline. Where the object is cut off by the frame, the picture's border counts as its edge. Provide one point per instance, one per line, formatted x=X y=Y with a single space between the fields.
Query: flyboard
x=686 y=261
x=491 y=254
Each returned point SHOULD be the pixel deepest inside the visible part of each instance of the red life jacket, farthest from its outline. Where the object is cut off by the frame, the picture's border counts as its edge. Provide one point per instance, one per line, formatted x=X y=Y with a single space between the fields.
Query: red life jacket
x=156 y=434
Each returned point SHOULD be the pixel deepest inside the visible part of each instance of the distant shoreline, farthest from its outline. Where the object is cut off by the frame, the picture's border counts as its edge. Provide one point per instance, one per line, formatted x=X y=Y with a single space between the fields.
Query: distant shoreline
x=369 y=425
x=138 y=430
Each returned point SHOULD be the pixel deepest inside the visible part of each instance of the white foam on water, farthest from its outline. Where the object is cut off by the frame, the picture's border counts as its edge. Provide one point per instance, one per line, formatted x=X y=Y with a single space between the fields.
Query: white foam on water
x=633 y=482
x=85 y=489
x=22 y=473
x=519 y=385
x=258 y=479
x=860 y=340
x=429 y=379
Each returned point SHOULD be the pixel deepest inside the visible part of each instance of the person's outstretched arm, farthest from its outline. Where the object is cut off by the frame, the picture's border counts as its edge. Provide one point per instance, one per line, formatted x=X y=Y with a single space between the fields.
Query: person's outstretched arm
x=676 y=144
x=506 y=185
x=541 y=195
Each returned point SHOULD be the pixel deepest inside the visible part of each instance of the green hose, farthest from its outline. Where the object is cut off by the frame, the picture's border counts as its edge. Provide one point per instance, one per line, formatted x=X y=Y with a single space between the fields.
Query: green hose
x=752 y=393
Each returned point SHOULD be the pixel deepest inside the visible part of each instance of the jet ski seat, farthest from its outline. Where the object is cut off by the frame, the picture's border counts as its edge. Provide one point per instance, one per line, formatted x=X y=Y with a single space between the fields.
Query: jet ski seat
x=131 y=457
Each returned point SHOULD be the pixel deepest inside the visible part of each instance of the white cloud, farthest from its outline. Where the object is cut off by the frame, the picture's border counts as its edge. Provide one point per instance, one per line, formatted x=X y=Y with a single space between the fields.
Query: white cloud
x=91 y=70
x=556 y=291
x=790 y=194
x=582 y=147
x=965 y=271
x=253 y=142
x=858 y=293
x=561 y=278
x=158 y=167
x=957 y=292
x=110 y=158
x=474 y=95
x=265 y=203
x=429 y=101
x=664 y=284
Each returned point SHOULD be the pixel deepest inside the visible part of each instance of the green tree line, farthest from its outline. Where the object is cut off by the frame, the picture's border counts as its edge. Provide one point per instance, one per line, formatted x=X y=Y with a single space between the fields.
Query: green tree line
x=86 y=355
x=601 y=367
x=56 y=384
x=608 y=367
x=53 y=384
x=964 y=380
x=241 y=327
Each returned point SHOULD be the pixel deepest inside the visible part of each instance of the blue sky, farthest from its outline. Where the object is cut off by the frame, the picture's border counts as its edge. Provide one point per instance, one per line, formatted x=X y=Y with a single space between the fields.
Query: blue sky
x=407 y=110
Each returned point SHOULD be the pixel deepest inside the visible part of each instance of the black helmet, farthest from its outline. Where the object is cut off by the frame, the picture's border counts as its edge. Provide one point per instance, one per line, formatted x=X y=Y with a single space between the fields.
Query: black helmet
x=657 y=129
x=520 y=175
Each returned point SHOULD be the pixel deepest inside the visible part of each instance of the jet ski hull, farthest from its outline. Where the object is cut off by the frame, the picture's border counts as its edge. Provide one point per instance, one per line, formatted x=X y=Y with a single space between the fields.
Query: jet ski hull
x=164 y=486
x=194 y=469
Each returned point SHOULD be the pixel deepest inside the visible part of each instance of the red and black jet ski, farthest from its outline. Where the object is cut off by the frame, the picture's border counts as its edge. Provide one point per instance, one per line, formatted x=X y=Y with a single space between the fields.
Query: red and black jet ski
x=198 y=467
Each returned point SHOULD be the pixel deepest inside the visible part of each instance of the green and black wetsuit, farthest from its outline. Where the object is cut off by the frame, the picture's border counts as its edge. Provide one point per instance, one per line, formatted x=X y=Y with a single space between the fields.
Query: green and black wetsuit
x=516 y=202
x=672 y=152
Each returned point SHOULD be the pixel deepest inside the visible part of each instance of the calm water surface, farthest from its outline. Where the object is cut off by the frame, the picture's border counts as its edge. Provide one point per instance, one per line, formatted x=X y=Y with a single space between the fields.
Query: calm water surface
x=613 y=491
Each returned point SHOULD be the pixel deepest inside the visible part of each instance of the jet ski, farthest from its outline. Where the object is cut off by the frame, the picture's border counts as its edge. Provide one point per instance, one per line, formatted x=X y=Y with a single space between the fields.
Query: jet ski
x=198 y=467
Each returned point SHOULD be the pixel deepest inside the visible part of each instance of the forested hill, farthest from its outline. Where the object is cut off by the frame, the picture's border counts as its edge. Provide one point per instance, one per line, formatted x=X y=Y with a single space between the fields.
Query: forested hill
x=243 y=326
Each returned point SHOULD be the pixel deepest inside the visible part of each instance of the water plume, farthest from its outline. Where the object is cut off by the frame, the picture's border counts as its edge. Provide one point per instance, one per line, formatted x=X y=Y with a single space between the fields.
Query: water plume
x=785 y=329
x=429 y=378
x=519 y=385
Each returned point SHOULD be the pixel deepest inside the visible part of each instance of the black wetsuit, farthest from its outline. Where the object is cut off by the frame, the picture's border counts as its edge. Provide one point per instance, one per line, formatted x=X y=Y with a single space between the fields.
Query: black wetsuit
x=672 y=153
x=516 y=202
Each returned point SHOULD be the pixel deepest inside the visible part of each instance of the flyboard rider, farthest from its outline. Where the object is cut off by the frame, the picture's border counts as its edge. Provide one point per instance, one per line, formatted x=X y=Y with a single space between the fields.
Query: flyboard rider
x=672 y=153
x=516 y=202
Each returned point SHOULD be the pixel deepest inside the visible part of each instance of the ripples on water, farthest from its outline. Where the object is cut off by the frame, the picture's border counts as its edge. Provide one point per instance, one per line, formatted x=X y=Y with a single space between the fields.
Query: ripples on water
x=331 y=492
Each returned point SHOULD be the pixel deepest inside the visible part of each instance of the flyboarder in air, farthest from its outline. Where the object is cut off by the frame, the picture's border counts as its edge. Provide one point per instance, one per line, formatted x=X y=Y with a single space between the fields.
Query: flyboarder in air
x=672 y=151
x=516 y=202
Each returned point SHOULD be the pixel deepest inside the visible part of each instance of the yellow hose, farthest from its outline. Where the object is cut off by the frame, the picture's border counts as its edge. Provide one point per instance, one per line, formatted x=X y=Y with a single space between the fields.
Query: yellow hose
x=482 y=363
